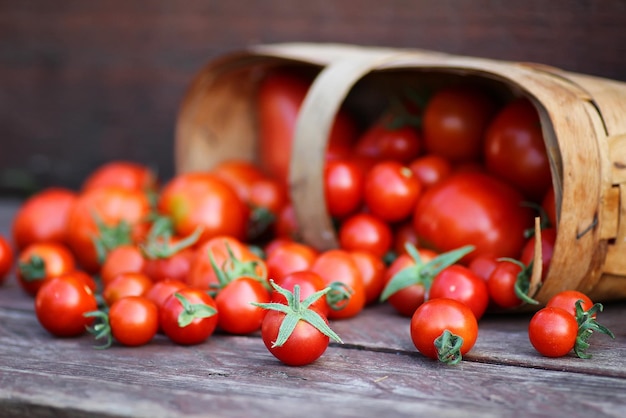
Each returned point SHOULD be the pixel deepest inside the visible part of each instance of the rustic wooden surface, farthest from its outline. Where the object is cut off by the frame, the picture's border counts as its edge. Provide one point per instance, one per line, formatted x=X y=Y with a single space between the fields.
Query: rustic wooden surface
x=376 y=372
x=83 y=82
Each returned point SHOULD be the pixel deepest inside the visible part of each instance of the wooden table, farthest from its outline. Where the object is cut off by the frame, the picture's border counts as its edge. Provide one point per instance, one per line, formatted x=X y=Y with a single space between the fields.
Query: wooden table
x=376 y=373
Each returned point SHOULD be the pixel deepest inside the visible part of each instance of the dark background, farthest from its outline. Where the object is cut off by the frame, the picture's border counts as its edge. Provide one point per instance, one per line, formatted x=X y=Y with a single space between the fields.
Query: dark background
x=84 y=82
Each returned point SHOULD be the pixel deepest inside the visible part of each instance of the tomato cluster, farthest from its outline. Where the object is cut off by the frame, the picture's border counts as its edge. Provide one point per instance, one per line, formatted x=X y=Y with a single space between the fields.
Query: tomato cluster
x=432 y=205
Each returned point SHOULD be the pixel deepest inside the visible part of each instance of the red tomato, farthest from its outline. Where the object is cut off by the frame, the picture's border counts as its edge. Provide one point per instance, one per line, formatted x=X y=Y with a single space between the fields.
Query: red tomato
x=553 y=331
x=404 y=234
x=189 y=316
x=483 y=266
x=125 y=174
x=160 y=291
x=84 y=277
x=6 y=258
x=176 y=265
x=124 y=285
x=123 y=259
x=339 y=266
x=203 y=200
x=473 y=209
x=436 y=316
x=234 y=303
x=279 y=98
x=269 y=194
x=309 y=283
x=548 y=240
x=43 y=217
x=117 y=213
x=365 y=232
x=240 y=175
x=384 y=141
x=460 y=283
x=391 y=191
x=41 y=261
x=515 y=150
x=372 y=269
x=502 y=282
x=343 y=187
x=134 y=320
x=454 y=122
x=430 y=169
x=567 y=299
x=289 y=257
x=60 y=306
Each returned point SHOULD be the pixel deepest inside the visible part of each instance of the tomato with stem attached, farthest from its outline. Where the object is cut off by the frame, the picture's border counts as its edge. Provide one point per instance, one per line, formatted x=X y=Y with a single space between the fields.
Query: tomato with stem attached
x=566 y=299
x=41 y=261
x=123 y=259
x=509 y=282
x=309 y=283
x=460 y=283
x=189 y=316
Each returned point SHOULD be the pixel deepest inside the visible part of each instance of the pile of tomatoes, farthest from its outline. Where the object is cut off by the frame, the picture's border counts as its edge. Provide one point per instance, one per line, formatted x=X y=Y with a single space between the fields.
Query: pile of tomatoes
x=433 y=204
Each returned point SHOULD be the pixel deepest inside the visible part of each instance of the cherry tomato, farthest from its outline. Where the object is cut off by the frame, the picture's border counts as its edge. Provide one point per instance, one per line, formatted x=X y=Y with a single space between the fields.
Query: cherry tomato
x=483 y=266
x=203 y=200
x=404 y=234
x=87 y=279
x=134 y=320
x=343 y=187
x=60 y=306
x=6 y=258
x=548 y=240
x=384 y=141
x=365 y=232
x=125 y=174
x=553 y=331
x=372 y=269
x=286 y=224
x=433 y=318
x=566 y=299
x=430 y=169
x=189 y=316
x=460 y=283
x=391 y=191
x=124 y=285
x=40 y=261
x=502 y=282
x=309 y=283
x=473 y=209
x=234 y=303
x=240 y=175
x=515 y=150
x=289 y=257
x=160 y=291
x=123 y=259
x=174 y=266
x=43 y=217
x=454 y=122
x=269 y=194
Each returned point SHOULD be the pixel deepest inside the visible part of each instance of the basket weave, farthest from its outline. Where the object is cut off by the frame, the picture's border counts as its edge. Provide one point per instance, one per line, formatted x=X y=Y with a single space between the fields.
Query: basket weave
x=583 y=120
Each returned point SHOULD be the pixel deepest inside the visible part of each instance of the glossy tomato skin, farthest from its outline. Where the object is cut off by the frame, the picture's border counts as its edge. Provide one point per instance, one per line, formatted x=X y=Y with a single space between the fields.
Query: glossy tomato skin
x=365 y=232
x=403 y=234
x=60 y=305
x=126 y=284
x=553 y=331
x=270 y=194
x=472 y=208
x=113 y=205
x=122 y=259
x=286 y=224
x=234 y=303
x=125 y=174
x=199 y=330
x=203 y=200
x=289 y=257
x=6 y=258
x=454 y=122
x=372 y=270
x=483 y=266
x=382 y=141
x=305 y=345
x=515 y=150
x=566 y=299
x=436 y=315
x=240 y=175
x=391 y=191
x=430 y=169
x=134 y=320
x=501 y=284
x=41 y=261
x=343 y=187
x=309 y=283
x=160 y=291
x=43 y=217
x=177 y=266
x=460 y=283
x=279 y=98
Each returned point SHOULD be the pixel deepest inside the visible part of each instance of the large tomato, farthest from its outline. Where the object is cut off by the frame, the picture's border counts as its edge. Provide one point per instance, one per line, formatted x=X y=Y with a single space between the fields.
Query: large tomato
x=279 y=99
x=515 y=150
x=471 y=208
x=203 y=200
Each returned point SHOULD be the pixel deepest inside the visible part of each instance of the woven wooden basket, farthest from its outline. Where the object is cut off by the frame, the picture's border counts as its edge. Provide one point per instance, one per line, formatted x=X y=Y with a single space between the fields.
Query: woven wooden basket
x=583 y=121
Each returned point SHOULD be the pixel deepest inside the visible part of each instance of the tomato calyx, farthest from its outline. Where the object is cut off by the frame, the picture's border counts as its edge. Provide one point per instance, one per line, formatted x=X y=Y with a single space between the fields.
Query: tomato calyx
x=523 y=282
x=406 y=110
x=192 y=311
x=339 y=295
x=586 y=326
x=295 y=311
x=159 y=243
x=422 y=273
x=33 y=269
x=110 y=236
x=259 y=222
x=233 y=268
x=101 y=329
x=448 y=347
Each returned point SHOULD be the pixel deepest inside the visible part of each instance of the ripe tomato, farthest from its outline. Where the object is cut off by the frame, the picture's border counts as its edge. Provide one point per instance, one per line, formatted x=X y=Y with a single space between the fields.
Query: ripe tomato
x=134 y=320
x=430 y=169
x=189 y=316
x=169 y=260
x=444 y=329
x=240 y=175
x=391 y=191
x=6 y=258
x=160 y=291
x=460 y=283
x=234 y=303
x=269 y=194
x=43 y=217
x=471 y=208
x=112 y=215
x=288 y=257
x=515 y=150
x=124 y=285
x=372 y=269
x=343 y=187
x=567 y=299
x=123 y=259
x=553 y=331
x=126 y=174
x=280 y=96
x=286 y=224
x=87 y=279
x=404 y=234
x=548 y=240
x=41 y=261
x=309 y=283
x=365 y=232
x=483 y=266
x=454 y=122
x=60 y=306
x=384 y=141
x=339 y=266
x=195 y=200
x=508 y=284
